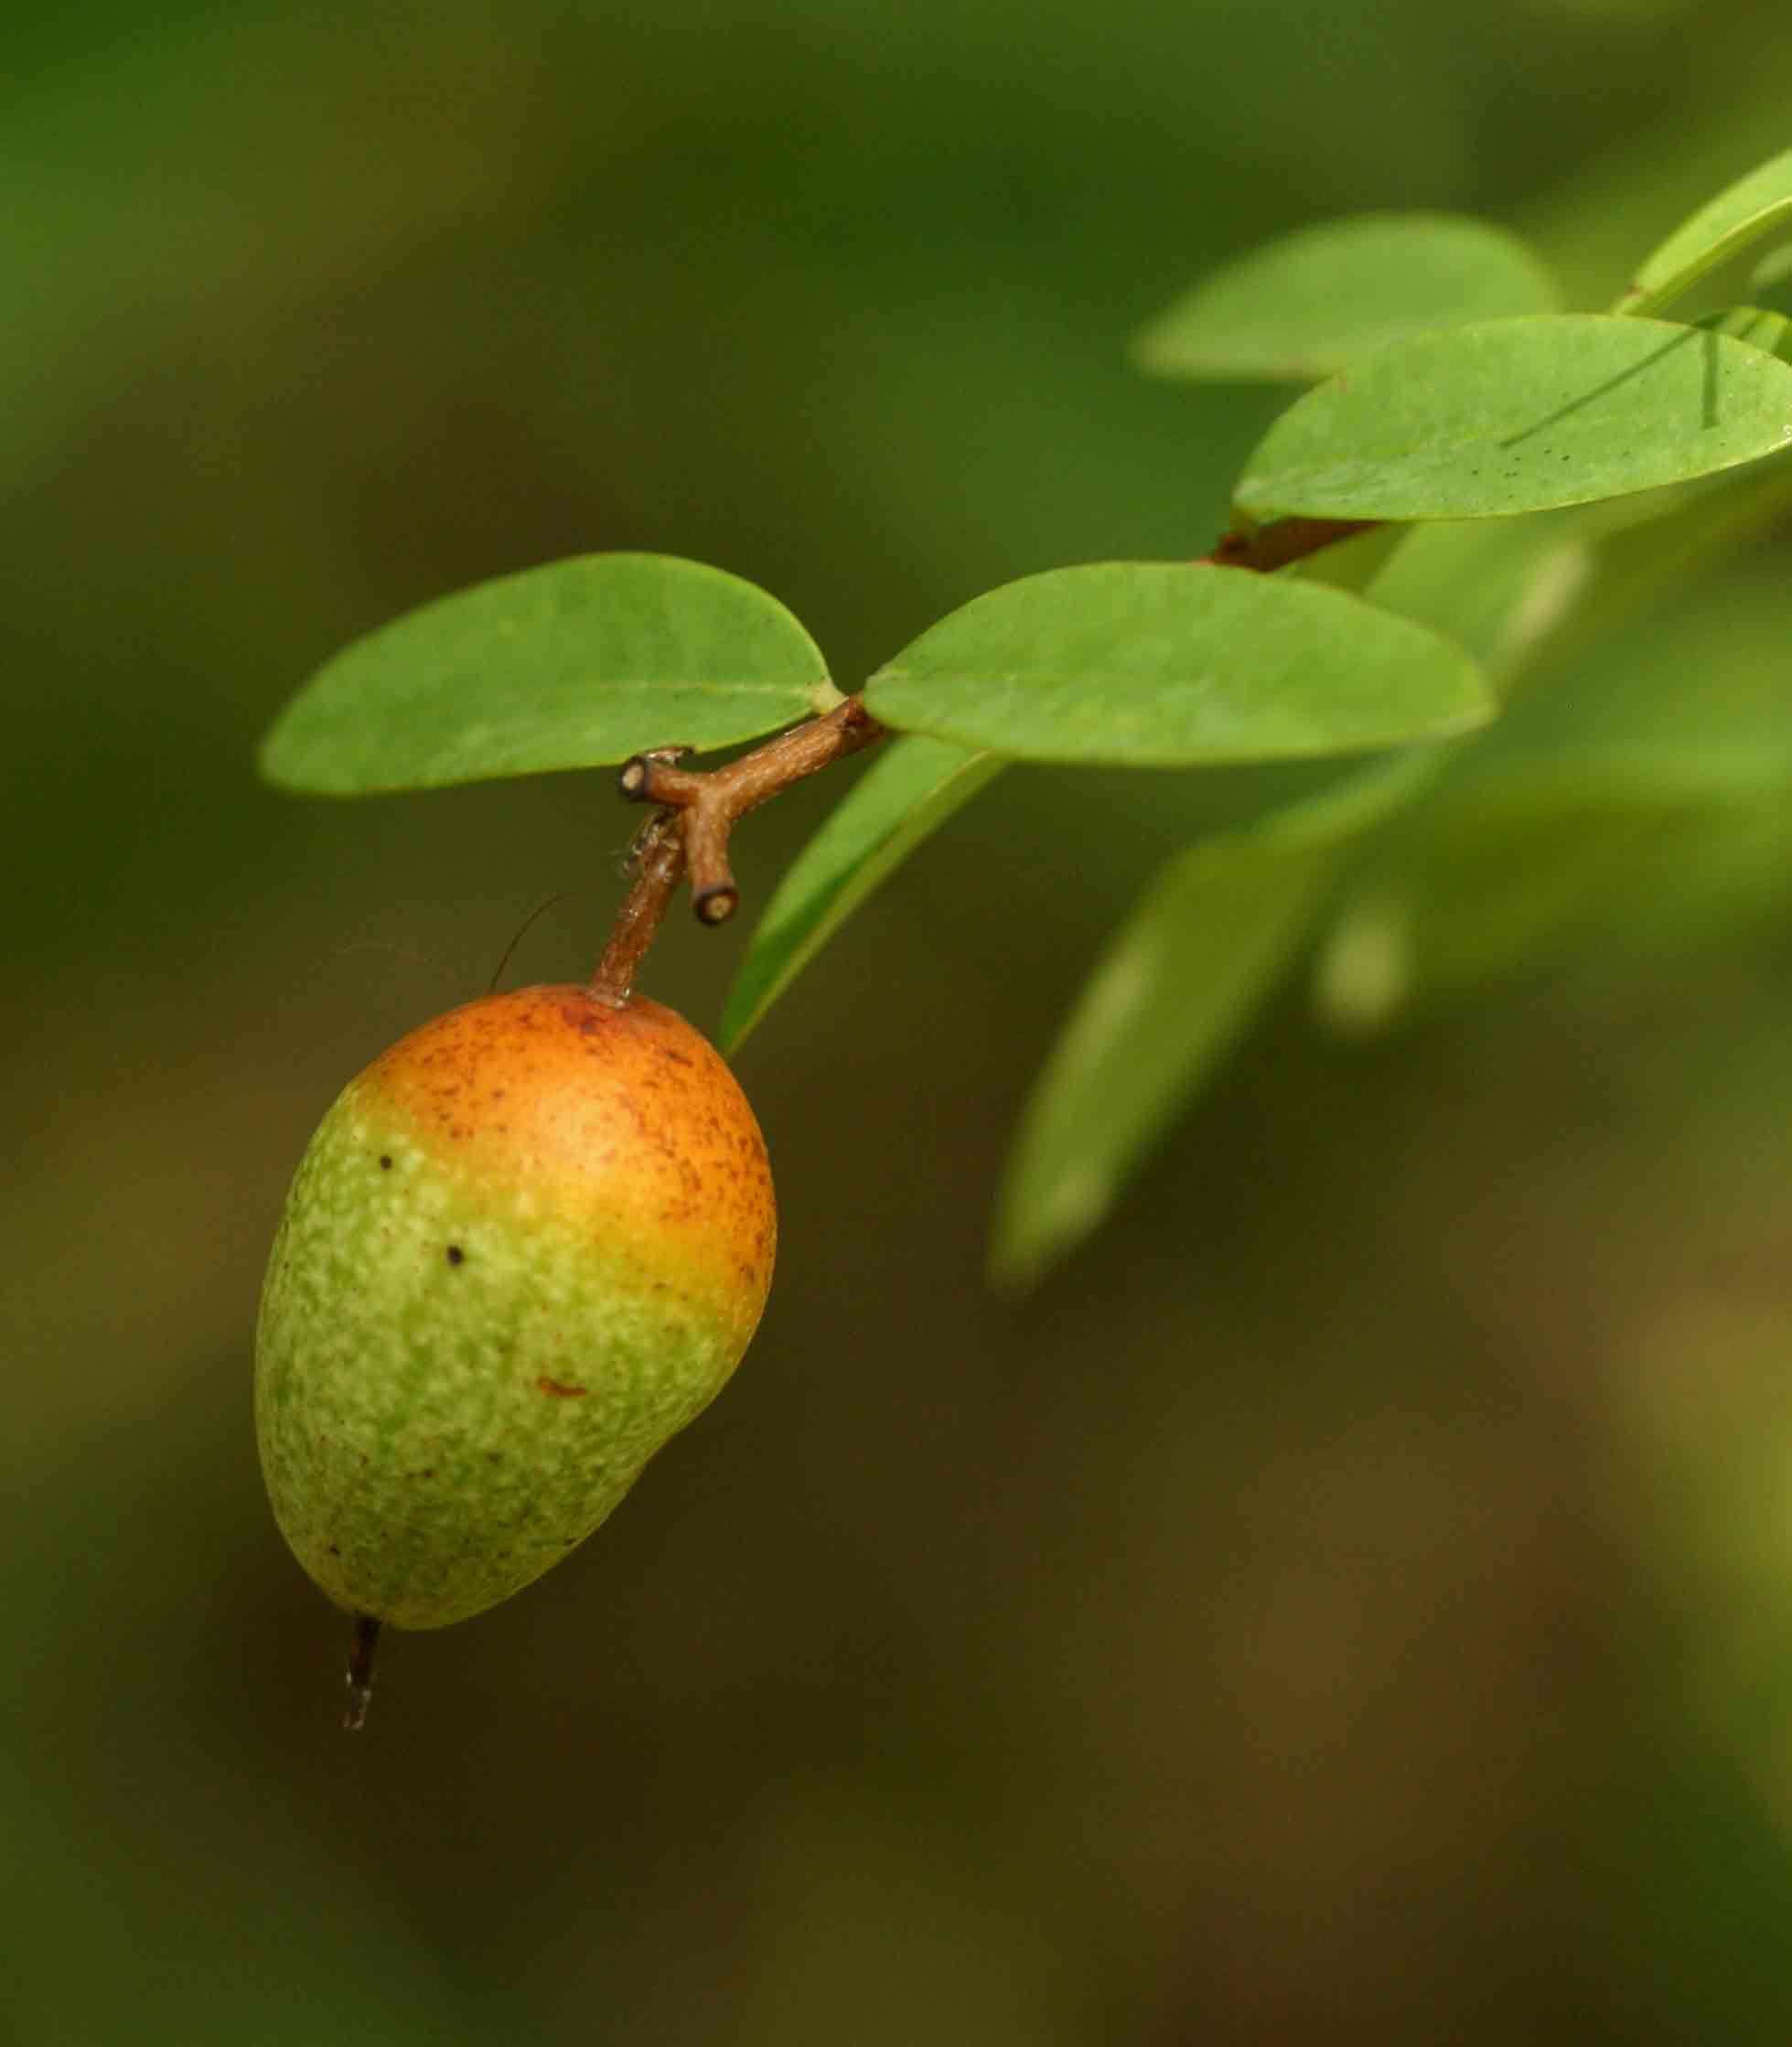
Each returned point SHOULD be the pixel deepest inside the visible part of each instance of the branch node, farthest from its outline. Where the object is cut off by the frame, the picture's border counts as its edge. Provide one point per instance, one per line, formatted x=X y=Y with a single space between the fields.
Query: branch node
x=716 y=904
x=697 y=813
x=643 y=776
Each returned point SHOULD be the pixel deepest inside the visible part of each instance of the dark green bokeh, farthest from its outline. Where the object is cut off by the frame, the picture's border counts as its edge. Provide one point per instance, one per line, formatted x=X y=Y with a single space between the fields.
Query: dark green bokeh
x=1349 y=1600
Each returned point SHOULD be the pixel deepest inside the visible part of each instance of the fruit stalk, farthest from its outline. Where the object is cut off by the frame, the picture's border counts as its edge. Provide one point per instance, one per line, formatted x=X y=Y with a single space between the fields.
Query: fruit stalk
x=361 y=1646
x=659 y=860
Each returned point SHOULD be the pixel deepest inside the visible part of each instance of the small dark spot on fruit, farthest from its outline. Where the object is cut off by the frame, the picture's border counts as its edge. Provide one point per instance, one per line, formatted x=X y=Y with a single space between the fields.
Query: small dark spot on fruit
x=335 y=1550
x=566 y=1542
x=559 y=1391
x=456 y=1255
x=385 y=1163
x=493 y=1456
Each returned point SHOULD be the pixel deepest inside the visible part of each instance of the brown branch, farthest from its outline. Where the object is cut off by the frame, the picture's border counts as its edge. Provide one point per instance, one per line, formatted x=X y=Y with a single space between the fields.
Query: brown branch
x=697 y=814
x=698 y=811
x=1283 y=540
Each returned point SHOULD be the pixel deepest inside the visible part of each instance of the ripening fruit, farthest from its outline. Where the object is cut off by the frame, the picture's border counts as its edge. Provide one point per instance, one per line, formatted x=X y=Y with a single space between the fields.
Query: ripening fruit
x=523 y=1250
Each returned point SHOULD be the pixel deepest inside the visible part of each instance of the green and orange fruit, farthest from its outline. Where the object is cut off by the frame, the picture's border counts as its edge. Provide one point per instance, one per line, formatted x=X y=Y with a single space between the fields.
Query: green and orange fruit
x=524 y=1248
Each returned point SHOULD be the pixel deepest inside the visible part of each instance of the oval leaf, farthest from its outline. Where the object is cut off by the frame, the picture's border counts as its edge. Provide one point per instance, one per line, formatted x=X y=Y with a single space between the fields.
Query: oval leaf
x=1143 y=664
x=1177 y=987
x=1318 y=300
x=571 y=665
x=904 y=797
x=1754 y=207
x=1520 y=416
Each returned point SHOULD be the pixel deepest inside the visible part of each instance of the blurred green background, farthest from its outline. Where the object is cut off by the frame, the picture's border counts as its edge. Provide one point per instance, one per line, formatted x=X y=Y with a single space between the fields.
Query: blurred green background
x=1354 y=1597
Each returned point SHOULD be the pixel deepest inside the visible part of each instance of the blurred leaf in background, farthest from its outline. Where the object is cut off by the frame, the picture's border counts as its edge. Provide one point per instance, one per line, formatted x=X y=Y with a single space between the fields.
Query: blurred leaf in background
x=1314 y=302
x=1308 y=1615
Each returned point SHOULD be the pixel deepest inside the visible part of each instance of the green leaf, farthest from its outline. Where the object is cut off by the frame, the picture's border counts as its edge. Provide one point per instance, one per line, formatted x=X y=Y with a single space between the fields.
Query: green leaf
x=1695 y=706
x=1520 y=416
x=1515 y=591
x=1755 y=324
x=1141 y=664
x=1544 y=590
x=904 y=796
x=1772 y=271
x=571 y=665
x=1315 y=301
x=1646 y=790
x=1747 y=211
x=1499 y=587
x=1351 y=565
x=1514 y=874
x=1177 y=987
x=1520 y=594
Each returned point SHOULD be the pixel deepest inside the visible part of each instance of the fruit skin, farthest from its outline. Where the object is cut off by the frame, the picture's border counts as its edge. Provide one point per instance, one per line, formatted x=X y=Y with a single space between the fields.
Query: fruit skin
x=524 y=1248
